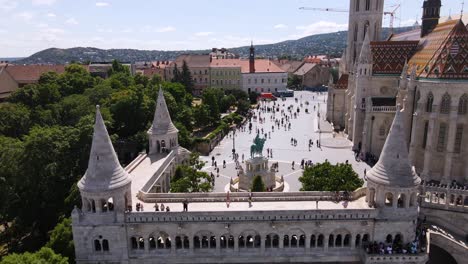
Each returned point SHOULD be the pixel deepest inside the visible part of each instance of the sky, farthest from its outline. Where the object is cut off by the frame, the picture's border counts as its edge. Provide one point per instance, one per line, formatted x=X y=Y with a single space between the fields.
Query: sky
x=29 y=26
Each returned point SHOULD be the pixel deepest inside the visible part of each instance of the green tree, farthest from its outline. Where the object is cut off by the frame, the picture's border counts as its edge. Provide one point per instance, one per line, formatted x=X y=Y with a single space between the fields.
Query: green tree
x=211 y=98
x=118 y=67
x=43 y=256
x=186 y=78
x=243 y=107
x=75 y=80
x=257 y=184
x=294 y=81
x=226 y=102
x=14 y=120
x=189 y=179
x=176 y=75
x=201 y=116
x=73 y=107
x=328 y=177
x=61 y=239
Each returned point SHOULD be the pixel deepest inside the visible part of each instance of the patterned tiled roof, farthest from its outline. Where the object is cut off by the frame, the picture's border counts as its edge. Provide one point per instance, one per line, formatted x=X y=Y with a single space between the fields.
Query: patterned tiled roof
x=443 y=53
x=389 y=57
x=342 y=82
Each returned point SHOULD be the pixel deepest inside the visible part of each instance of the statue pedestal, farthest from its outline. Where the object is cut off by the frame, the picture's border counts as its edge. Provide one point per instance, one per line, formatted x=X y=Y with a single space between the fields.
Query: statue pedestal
x=253 y=167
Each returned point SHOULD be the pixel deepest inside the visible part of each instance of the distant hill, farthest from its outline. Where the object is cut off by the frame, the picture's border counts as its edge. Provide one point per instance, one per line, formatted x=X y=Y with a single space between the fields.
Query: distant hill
x=329 y=43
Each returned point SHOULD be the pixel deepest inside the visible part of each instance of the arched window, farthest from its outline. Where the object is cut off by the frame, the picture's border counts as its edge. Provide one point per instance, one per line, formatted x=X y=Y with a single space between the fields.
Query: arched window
x=312 y=241
x=196 y=241
x=134 y=243
x=429 y=102
x=365 y=239
x=401 y=201
x=286 y=241
x=294 y=241
x=367 y=5
x=389 y=239
x=346 y=241
x=212 y=242
x=141 y=243
x=105 y=245
x=398 y=239
x=356 y=31
x=241 y=242
x=302 y=241
x=463 y=104
x=320 y=240
x=338 y=241
x=97 y=245
x=204 y=242
x=441 y=144
x=275 y=241
x=389 y=199
x=331 y=240
x=357 y=241
x=357 y=5
x=366 y=29
x=152 y=243
x=445 y=104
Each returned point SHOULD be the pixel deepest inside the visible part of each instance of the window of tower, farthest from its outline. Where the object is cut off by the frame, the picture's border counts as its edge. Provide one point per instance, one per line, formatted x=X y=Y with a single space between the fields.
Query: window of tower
x=356 y=31
x=357 y=5
x=389 y=199
x=442 y=136
x=105 y=245
x=366 y=28
x=401 y=201
x=426 y=130
x=367 y=5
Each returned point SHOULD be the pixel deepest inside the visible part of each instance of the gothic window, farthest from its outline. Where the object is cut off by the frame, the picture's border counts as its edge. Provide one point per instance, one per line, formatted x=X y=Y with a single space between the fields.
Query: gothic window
x=445 y=104
x=442 y=135
x=430 y=101
x=357 y=5
x=105 y=245
x=356 y=31
x=426 y=129
x=463 y=105
x=366 y=28
x=367 y=5
x=458 y=138
x=97 y=245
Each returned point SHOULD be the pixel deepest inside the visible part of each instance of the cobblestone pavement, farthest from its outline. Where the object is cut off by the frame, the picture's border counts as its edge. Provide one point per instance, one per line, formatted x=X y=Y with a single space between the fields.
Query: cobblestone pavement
x=303 y=128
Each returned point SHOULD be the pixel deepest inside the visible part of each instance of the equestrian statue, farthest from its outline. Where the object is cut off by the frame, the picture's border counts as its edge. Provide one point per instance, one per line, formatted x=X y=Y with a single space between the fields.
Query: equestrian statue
x=257 y=146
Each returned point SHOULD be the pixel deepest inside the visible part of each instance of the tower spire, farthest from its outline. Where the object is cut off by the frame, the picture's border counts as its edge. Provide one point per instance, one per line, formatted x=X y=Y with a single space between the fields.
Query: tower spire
x=104 y=170
x=394 y=167
x=162 y=123
x=366 y=55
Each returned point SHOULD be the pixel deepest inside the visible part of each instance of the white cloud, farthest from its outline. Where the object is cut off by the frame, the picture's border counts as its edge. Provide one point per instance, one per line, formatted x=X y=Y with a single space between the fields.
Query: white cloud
x=71 y=21
x=165 y=29
x=127 y=30
x=102 y=4
x=51 y=15
x=105 y=30
x=319 y=28
x=407 y=23
x=280 y=26
x=203 y=34
x=25 y=16
x=3 y=30
x=8 y=5
x=43 y=2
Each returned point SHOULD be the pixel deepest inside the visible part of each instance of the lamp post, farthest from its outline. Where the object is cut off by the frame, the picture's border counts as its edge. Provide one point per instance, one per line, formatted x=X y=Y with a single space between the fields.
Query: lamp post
x=320 y=131
x=233 y=141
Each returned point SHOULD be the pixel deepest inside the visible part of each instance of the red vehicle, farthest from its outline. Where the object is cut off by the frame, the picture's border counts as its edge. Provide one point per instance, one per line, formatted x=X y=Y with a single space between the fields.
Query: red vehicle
x=267 y=97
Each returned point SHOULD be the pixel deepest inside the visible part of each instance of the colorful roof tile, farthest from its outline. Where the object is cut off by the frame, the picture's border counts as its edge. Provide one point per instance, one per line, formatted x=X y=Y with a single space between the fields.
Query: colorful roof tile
x=389 y=57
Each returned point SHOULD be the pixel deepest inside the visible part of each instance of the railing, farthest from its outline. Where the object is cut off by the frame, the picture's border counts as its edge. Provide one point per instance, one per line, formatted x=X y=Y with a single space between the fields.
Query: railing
x=259 y=197
x=445 y=197
x=396 y=258
x=387 y=109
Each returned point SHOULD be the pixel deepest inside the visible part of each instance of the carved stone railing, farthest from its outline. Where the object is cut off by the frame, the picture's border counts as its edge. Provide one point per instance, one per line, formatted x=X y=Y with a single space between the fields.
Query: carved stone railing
x=396 y=258
x=157 y=175
x=386 y=109
x=445 y=197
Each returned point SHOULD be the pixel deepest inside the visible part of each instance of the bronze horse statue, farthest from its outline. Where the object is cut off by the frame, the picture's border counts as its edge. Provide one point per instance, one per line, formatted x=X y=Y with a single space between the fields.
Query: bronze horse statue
x=257 y=147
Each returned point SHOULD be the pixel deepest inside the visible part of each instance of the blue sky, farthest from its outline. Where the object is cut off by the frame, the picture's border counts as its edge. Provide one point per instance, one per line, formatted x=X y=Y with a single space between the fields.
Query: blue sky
x=28 y=26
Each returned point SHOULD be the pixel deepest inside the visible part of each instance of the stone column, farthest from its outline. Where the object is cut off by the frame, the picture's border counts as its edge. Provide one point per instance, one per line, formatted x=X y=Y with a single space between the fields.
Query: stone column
x=236 y=243
x=191 y=244
x=218 y=245
x=431 y=140
x=307 y=242
x=407 y=200
x=452 y=131
x=325 y=242
x=262 y=244
x=281 y=241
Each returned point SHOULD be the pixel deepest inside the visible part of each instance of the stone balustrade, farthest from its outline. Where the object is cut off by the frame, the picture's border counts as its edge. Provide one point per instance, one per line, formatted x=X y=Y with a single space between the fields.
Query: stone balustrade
x=446 y=197
x=396 y=258
x=387 y=109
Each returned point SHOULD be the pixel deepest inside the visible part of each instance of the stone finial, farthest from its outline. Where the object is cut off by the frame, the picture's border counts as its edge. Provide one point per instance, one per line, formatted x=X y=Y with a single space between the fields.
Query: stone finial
x=365 y=56
x=404 y=72
x=162 y=123
x=413 y=73
x=104 y=170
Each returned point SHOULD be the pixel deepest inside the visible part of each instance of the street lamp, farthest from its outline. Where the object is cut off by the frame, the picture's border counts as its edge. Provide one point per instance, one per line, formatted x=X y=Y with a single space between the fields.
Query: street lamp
x=233 y=141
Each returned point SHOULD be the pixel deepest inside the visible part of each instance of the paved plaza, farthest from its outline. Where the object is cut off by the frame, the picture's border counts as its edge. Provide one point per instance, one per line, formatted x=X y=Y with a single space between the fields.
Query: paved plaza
x=334 y=148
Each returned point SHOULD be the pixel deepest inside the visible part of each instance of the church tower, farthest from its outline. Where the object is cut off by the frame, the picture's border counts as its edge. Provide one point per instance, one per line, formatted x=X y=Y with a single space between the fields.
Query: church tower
x=252 y=59
x=431 y=15
x=365 y=16
x=393 y=186
x=162 y=133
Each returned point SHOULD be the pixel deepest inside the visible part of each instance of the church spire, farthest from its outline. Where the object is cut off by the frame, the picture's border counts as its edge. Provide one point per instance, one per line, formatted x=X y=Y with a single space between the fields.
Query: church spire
x=162 y=123
x=394 y=167
x=366 y=55
x=104 y=170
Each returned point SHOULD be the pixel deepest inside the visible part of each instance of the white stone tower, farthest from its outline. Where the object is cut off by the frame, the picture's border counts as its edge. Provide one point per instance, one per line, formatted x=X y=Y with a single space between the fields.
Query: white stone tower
x=393 y=186
x=162 y=133
x=363 y=85
x=365 y=16
x=105 y=194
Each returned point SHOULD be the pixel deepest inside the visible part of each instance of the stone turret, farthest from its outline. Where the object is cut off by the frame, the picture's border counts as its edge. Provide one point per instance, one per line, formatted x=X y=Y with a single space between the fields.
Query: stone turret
x=105 y=186
x=162 y=133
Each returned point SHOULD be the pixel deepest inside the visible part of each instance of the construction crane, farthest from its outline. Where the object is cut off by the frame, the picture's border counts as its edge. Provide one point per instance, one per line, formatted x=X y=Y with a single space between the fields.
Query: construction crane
x=391 y=14
x=324 y=9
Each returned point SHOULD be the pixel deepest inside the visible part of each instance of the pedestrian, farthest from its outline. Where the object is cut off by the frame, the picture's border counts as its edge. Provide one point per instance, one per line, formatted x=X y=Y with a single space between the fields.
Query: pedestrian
x=293 y=165
x=224 y=164
x=167 y=208
x=242 y=157
x=212 y=160
x=156 y=207
x=316 y=204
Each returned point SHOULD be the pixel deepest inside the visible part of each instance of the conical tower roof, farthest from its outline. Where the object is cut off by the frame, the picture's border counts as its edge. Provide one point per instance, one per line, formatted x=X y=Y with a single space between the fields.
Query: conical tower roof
x=162 y=123
x=365 y=56
x=104 y=170
x=394 y=168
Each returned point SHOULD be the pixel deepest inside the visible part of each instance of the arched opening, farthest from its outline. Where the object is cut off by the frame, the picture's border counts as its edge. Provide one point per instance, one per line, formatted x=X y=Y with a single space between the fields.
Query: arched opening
x=223 y=242
x=463 y=104
x=196 y=242
x=312 y=241
x=110 y=204
x=93 y=206
x=401 y=200
x=366 y=29
x=186 y=242
x=338 y=241
x=275 y=241
x=294 y=241
x=286 y=241
x=320 y=240
x=365 y=239
x=134 y=243
x=389 y=199
x=347 y=240
x=257 y=241
x=459 y=200
x=445 y=104
x=212 y=242
x=152 y=243
x=429 y=102
x=357 y=241
x=439 y=255
x=97 y=245
x=204 y=242
x=389 y=239
x=178 y=242
x=302 y=241
x=249 y=241
x=141 y=243
x=331 y=240
x=105 y=245
x=241 y=242
x=87 y=205
x=398 y=240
